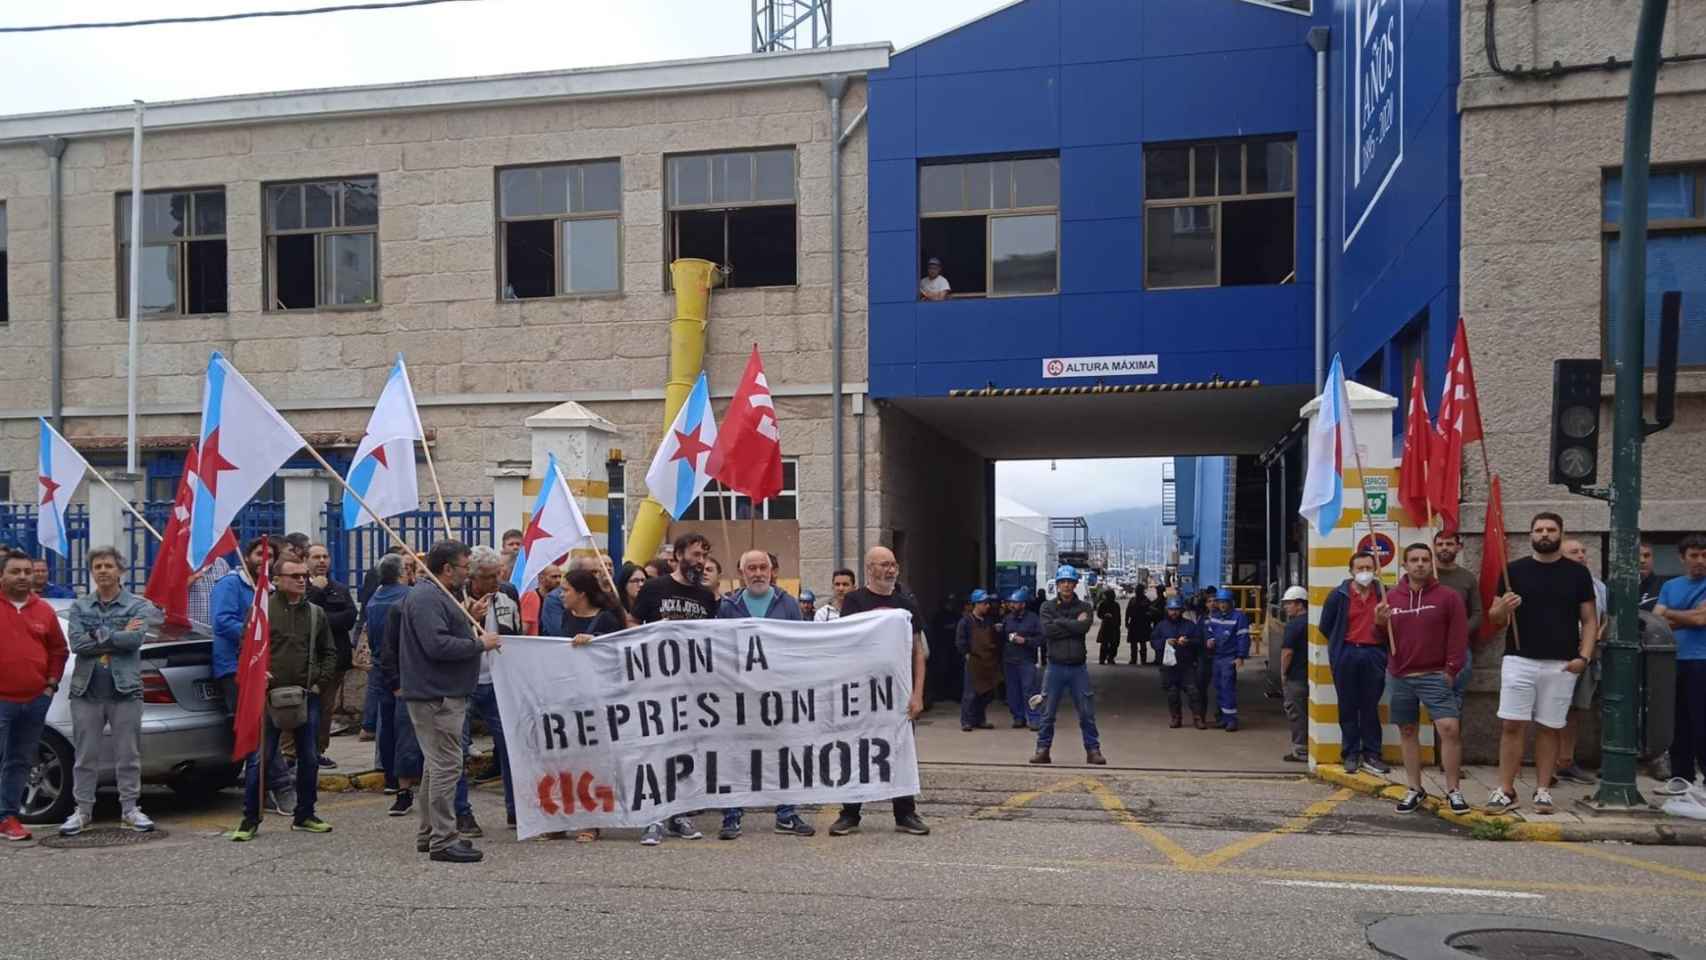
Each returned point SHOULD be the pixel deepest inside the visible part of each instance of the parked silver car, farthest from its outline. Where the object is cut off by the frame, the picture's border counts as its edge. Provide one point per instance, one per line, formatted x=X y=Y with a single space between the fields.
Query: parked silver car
x=186 y=738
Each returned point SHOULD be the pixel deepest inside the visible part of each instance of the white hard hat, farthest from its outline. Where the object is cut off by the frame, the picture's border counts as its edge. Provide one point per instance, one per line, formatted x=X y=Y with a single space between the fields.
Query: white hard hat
x=1296 y=593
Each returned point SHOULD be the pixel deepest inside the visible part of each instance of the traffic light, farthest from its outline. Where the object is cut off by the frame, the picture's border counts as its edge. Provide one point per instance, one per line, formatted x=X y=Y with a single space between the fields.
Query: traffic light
x=1575 y=422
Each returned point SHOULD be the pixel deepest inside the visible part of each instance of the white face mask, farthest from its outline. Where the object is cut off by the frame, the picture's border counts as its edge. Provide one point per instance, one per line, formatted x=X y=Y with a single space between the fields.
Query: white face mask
x=1364 y=578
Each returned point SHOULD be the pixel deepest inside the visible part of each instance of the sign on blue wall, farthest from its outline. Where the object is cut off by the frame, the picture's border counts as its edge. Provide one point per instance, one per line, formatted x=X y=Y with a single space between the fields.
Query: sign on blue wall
x=1374 y=113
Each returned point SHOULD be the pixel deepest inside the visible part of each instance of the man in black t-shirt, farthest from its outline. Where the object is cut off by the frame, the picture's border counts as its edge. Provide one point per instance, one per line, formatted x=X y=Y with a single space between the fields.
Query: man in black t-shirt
x=1294 y=670
x=882 y=591
x=1551 y=599
x=682 y=595
x=1651 y=582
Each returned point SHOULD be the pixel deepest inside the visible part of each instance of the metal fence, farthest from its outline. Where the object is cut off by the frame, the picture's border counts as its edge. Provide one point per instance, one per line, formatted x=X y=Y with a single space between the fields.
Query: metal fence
x=18 y=530
x=141 y=548
x=354 y=551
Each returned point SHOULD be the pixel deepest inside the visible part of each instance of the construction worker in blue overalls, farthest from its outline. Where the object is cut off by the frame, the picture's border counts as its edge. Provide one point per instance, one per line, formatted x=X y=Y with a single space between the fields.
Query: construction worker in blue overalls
x=1178 y=646
x=1228 y=633
x=1021 y=635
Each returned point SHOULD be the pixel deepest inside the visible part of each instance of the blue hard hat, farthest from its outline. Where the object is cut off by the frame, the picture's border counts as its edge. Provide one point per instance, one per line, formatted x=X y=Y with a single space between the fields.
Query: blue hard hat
x=1224 y=595
x=1020 y=595
x=806 y=596
x=1066 y=572
x=979 y=596
x=1174 y=603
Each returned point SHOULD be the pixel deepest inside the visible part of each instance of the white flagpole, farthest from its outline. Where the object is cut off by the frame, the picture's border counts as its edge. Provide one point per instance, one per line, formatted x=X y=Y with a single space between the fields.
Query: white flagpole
x=131 y=460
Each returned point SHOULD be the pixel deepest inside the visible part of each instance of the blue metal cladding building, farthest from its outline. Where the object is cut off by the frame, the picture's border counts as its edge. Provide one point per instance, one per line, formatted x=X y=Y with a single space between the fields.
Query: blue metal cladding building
x=1178 y=236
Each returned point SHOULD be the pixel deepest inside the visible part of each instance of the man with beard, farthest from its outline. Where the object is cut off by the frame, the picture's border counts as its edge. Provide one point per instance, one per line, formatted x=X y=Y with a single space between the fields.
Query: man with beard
x=1551 y=600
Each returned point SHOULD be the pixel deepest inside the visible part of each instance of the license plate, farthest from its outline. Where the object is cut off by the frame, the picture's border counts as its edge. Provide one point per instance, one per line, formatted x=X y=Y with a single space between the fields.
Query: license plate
x=208 y=689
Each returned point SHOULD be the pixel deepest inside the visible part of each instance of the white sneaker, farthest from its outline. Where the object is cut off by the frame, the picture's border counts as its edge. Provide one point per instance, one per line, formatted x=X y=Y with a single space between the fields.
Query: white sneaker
x=136 y=820
x=75 y=823
x=1674 y=787
x=652 y=835
x=1542 y=800
x=1500 y=802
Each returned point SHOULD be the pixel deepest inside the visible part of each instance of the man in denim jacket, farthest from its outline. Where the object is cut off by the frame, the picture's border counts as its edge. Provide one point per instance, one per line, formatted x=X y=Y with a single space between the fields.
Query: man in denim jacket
x=108 y=627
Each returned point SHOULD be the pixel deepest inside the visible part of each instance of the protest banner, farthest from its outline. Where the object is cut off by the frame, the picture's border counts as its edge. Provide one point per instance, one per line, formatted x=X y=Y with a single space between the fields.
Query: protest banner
x=688 y=715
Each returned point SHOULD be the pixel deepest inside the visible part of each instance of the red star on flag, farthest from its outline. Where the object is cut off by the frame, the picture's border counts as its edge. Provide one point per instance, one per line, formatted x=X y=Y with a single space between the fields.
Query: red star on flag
x=379 y=454
x=210 y=464
x=535 y=532
x=48 y=488
x=689 y=446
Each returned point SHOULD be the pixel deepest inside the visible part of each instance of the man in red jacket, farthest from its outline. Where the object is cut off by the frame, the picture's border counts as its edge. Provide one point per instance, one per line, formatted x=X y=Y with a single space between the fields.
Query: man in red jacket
x=1430 y=644
x=32 y=660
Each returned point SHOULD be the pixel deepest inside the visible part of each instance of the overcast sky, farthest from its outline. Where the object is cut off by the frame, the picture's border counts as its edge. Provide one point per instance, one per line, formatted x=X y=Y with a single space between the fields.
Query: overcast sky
x=1079 y=487
x=88 y=68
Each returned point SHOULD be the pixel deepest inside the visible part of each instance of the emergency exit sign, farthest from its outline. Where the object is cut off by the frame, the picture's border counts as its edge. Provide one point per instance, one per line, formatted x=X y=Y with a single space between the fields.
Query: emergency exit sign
x=1126 y=365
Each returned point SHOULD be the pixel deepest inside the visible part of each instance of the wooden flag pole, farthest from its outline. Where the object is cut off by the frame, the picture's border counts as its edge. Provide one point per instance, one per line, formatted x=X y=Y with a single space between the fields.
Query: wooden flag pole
x=1487 y=473
x=443 y=511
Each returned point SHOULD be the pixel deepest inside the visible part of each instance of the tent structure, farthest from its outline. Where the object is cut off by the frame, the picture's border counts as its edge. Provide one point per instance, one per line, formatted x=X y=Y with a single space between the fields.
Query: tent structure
x=1022 y=534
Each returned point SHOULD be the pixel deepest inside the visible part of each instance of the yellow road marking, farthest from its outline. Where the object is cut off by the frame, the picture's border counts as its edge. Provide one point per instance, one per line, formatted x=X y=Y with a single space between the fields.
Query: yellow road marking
x=1164 y=844
x=1297 y=824
x=1666 y=869
x=1019 y=800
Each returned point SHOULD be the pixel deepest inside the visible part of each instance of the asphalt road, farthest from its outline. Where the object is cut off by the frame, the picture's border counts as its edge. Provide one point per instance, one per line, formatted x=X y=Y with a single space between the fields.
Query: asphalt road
x=1053 y=863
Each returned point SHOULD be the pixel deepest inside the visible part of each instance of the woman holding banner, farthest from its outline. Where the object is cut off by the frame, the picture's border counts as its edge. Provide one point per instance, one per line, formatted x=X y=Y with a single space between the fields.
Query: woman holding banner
x=580 y=610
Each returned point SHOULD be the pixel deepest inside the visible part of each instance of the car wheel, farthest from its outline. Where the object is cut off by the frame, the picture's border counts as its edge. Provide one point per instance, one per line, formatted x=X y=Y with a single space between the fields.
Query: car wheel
x=47 y=793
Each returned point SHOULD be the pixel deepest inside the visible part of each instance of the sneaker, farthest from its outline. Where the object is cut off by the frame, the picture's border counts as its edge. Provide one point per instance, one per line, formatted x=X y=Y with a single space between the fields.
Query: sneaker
x=652 y=835
x=1542 y=800
x=13 y=829
x=1412 y=800
x=311 y=824
x=795 y=827
x=1500 y=802
x=911 y=824
x=468 y=826
x=843 y=826
x=75 y=823
x=391 y=789
x=1455 y=800
x=282 y=803
x=1575 y=774
x=1674 y=787
x=327 y=762
x=682 y=828
x=1377 y=765
x=136 y=820
x=400 y=806
x=730 y=830
x=245 y=831
x=1352 y=766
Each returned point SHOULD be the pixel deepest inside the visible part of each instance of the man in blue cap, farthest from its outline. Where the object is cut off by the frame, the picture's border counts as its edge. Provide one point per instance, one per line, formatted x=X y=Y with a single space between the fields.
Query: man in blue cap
x=1178 y=647
x=1022 y=636
x=1228 y=633
x=1066 y=619
x=976 y=640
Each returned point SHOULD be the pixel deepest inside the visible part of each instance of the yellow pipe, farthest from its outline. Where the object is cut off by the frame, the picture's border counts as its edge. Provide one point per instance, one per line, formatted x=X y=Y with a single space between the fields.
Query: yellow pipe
x=693 y=280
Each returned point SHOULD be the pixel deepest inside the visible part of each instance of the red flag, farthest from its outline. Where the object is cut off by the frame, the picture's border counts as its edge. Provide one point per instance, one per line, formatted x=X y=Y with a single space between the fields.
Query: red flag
x=253 y=660
x=748 y=456
x=1493 y=556
x=169 y=582
x=1413 y=493
x=1459 y=424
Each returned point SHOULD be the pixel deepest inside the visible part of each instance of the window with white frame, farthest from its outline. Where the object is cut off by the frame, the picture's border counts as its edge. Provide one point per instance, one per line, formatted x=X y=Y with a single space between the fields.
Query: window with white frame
x=183 y=253
x=736 y=209
x=716 y=503
x=560 y=229
x=1220 y=214
x=994 y=225
x=322 y=243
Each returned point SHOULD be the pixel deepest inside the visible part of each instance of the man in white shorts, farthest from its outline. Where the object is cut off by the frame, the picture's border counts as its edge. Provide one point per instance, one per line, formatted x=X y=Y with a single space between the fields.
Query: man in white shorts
x=1551 y=601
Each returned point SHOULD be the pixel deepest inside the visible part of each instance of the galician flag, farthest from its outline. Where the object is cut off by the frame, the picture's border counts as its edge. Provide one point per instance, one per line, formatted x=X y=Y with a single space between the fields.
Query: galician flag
x=557 y=527
x=678 y=473
x=59 y=469
x=244 y=442
x=1332 y=443
x=383 y=471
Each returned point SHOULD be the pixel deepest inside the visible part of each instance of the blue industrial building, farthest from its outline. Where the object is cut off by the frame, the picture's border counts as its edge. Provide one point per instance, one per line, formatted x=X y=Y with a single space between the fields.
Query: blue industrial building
x=1123 y=197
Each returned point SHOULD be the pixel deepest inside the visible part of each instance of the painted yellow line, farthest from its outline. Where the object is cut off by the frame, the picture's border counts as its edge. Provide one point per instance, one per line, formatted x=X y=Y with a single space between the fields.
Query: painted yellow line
x=1297 y=824
x=1164 y=844
x=1590 y=850
x=1020 y=800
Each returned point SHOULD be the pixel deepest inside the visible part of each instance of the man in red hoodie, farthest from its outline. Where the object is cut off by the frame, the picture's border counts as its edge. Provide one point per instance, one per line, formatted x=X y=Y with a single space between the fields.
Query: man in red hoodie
x=1430 y=644
x=32 y=660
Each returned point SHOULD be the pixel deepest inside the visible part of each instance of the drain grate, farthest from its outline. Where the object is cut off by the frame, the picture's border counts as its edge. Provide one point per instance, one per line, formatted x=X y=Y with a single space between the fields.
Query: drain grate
x=1546 y=945
x=90 y=839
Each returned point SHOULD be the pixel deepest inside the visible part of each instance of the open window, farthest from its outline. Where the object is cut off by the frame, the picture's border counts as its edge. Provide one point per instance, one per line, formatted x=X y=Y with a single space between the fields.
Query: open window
x=1220 y=214
x=993 y=224
x=560 y=229
x=183 y=269
x=322 y=244
x=736 y=209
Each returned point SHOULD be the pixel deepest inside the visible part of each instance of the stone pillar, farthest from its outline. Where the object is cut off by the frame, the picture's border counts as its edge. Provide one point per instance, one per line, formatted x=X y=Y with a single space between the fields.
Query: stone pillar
x=1329 y=559
x=305 y=496
x=509 y=504
x=108 y=517
x=581 y=441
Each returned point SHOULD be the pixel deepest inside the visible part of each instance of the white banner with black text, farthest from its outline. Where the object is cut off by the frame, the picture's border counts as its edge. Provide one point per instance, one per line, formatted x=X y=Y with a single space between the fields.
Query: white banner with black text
x=688 y=715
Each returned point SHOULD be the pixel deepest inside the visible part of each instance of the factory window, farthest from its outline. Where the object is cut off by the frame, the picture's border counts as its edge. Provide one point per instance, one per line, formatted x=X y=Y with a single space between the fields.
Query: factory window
x=717 y=503
x=322 y=243
x=1220 y=214
x=5 y=311
x=183 y=253
x=561 y=229
x=738 y=210
x=994 y=224
x=1676 y=258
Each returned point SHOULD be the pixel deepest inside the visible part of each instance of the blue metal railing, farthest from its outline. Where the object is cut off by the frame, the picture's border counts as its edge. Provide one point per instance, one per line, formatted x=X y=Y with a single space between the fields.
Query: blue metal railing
x=354 y=551
x=18 y=530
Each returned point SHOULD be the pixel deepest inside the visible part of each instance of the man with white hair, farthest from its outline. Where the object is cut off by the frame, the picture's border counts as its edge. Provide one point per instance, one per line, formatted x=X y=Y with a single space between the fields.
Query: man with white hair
x=502 y=616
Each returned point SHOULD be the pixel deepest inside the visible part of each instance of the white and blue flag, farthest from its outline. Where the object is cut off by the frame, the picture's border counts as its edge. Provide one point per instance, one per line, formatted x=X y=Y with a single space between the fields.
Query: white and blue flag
x=1331 y=441
x=59 y=470
x=383 y=470
x=677 y=475
x=244 y=441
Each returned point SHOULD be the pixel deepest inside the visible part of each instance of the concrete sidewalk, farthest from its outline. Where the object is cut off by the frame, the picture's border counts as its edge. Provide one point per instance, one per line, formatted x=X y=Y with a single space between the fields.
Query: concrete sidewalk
x=1571 y=820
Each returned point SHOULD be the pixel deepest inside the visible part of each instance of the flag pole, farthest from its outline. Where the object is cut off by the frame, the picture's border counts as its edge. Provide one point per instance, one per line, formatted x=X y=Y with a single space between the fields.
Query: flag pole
x=443 y=511
x=260 y=759
x=399 y=541
x=125 y=502
x=1487 y=472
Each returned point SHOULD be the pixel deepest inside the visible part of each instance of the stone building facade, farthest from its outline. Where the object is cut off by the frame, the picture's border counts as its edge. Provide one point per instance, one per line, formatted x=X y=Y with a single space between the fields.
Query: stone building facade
x=481 y=362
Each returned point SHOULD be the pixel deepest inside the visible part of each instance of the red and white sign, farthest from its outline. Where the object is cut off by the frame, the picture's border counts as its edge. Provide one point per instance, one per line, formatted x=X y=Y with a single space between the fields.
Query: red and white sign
x=1125 y=365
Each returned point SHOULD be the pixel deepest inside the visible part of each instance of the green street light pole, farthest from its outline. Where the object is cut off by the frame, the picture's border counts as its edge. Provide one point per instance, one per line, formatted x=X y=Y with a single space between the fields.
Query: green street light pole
x=1617 y=769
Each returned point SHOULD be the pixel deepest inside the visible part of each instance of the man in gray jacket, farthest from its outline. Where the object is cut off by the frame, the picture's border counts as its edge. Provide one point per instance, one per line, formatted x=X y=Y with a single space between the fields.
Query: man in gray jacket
x=1066 y=619
x=108 y=627
x=438 y=658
